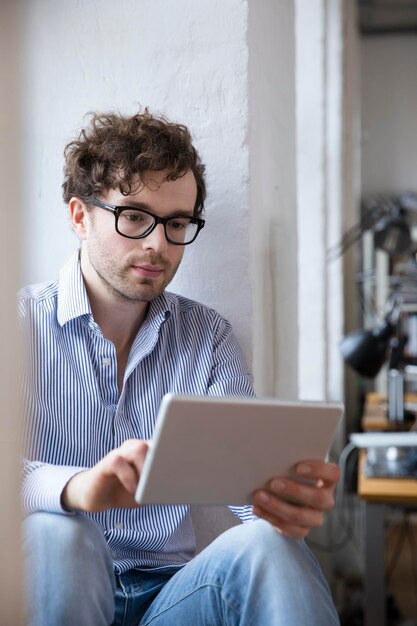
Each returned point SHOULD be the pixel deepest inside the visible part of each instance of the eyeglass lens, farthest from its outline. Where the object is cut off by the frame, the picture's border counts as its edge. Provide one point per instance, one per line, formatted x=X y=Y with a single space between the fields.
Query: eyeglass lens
x=135 y=223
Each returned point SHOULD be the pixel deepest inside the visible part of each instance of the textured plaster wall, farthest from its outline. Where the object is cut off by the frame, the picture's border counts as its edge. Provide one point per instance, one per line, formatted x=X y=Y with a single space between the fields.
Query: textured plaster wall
x=273 y=196
x=320 y=198
x=310 y=107
x=186 y=59
x=228 y=69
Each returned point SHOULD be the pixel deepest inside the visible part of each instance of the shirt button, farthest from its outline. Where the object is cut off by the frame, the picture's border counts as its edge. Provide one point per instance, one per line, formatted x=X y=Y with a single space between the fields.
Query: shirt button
x=118 y=525
x=106 y=361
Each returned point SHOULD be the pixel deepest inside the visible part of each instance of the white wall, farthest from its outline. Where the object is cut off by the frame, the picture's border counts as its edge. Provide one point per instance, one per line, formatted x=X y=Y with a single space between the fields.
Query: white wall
x=273 y=196
x=311 y=196
x=389 y=105
x=228 y=70
x=186 y=59
x=296 y=139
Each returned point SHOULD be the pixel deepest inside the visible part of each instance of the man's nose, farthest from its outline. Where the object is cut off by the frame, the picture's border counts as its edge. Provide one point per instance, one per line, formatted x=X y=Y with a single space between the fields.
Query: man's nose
x=156 y=240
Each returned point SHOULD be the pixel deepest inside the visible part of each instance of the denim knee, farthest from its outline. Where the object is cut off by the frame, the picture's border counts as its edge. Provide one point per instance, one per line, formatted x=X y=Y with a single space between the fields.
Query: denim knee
x=62 y=532
x=261 y=551
x=69 y=571
x=259 y=539
x=249 y=575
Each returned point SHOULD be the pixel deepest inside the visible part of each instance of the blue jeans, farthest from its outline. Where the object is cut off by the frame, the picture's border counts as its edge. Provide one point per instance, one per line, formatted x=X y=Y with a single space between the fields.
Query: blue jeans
x=249 y=576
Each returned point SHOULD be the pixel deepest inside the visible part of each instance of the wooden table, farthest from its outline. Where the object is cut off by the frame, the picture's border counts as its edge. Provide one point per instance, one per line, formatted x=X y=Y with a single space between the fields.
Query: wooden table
x=375 y=413
x=377 y=493
x=377 y=490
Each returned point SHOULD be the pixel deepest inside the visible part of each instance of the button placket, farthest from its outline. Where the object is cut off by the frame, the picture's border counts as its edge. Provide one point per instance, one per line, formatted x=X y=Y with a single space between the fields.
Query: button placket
x=106 y=361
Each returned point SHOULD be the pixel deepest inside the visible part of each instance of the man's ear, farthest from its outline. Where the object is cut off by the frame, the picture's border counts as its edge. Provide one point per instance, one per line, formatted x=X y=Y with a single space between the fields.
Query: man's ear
x=78 y=216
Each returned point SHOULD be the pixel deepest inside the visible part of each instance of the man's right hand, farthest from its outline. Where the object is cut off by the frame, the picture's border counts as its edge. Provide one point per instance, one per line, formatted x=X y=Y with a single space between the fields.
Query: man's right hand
x=111 y=483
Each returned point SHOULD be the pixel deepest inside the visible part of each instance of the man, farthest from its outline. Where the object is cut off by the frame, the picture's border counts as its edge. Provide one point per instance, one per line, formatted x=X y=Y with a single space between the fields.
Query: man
x=104 y=344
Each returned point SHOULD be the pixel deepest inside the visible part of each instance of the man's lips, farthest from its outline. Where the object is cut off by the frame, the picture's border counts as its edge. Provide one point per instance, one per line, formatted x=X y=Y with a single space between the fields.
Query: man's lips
x=148 y=271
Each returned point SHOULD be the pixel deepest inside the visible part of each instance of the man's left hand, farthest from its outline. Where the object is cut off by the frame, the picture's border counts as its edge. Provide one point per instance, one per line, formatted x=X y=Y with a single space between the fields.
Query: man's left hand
x=294 y=508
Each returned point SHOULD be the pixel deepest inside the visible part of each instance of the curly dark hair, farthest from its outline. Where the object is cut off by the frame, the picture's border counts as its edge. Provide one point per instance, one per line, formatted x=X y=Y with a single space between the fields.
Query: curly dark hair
x=114 y=152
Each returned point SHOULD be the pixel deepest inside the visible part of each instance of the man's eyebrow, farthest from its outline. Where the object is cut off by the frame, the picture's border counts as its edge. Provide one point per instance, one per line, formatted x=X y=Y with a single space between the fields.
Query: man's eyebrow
x=135 y=205
x=126 y=204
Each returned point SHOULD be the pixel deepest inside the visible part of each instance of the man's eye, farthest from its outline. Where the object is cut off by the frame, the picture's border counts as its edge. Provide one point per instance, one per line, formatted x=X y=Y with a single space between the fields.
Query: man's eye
x=178 y=224
x=132 y=217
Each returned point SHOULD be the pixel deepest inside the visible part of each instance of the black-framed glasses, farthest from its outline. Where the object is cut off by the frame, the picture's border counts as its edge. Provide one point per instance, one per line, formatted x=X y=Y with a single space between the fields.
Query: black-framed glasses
x=134 y=223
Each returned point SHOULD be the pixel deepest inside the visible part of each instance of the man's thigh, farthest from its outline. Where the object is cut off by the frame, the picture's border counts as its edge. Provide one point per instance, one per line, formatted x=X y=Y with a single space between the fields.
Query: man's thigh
x=69 y=575
x=249 y=575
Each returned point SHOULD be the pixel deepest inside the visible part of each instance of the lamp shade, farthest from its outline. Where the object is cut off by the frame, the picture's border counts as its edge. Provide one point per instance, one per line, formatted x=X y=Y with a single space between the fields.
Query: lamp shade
x=392 y=234
x=366 y=350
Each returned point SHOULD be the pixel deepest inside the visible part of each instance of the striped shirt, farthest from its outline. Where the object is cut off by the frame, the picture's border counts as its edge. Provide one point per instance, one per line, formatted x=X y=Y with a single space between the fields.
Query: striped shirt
x=75 y=416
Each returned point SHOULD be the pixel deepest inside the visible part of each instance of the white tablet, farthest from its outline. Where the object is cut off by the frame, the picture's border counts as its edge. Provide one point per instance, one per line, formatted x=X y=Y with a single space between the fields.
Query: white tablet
x=219 y=451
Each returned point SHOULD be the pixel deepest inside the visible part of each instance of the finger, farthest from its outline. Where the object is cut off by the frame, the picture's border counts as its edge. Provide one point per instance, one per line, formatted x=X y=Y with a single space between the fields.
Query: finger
x=292 y=514
x=327 y=473
x=314 y=496
x=283 y=527
x=134 y=448
x=125 y=472
x=134 y=451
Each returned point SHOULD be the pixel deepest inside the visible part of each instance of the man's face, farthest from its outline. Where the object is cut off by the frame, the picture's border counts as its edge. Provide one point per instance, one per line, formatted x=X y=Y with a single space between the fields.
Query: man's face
x=137 y=270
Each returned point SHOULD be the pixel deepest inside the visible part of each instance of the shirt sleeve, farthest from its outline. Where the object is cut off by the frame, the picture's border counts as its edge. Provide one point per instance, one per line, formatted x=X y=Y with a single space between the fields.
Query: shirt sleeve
x=244 y=513
x=230 y=377
x=43 y=484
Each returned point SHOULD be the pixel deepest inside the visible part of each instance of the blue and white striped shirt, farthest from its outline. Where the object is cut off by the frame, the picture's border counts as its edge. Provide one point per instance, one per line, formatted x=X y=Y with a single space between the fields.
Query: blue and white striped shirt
x=74 y=415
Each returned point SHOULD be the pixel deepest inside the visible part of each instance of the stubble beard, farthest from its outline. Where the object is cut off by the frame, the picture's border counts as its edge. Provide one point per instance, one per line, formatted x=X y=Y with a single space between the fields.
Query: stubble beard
x=126 y=287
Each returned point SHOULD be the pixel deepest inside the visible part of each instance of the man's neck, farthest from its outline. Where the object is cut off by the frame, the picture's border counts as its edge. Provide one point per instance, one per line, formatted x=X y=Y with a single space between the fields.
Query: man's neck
x=118 y=319
x=119 y=322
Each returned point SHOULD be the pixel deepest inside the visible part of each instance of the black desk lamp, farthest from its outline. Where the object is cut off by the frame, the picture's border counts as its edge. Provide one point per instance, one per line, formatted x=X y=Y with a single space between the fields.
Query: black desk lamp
x=366 y=352
x=392 y=233
x=388 y=218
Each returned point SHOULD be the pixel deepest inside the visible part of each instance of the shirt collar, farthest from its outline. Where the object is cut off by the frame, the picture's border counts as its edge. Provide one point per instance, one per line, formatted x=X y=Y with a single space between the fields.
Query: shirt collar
x=73 y=300
x=72 y=294
x=160 y=310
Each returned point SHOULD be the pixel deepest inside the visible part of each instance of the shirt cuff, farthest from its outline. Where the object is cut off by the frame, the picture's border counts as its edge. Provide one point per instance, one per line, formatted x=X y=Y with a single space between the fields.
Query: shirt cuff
x=244 y=513
x=43 y=488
